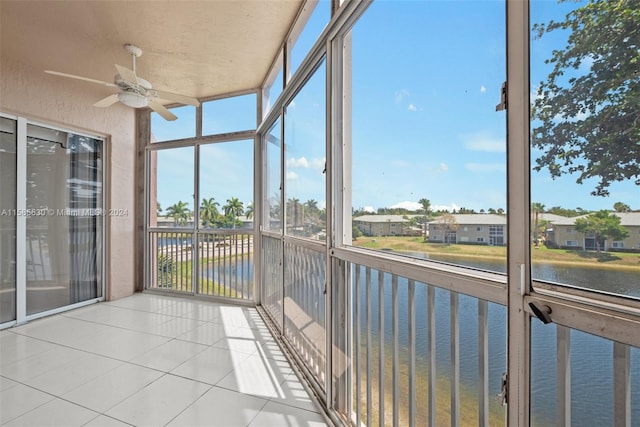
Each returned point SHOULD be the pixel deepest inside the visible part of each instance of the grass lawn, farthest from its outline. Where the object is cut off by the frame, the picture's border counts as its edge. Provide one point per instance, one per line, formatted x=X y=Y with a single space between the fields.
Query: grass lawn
x=540 y=254
x=179 y=278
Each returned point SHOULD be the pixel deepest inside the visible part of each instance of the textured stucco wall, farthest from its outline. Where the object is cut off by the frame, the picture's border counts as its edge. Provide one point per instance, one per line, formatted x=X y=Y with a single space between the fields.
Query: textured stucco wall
x=68 y=103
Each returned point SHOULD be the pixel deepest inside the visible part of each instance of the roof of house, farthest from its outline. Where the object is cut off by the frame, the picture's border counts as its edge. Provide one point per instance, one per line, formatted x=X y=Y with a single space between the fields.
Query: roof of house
x=628 y=219
x=476 y=219
x=384 y=218
x=550 y=217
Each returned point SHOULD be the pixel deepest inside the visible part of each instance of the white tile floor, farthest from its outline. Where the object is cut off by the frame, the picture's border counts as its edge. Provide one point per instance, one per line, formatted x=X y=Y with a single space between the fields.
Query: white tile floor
x=150 y=360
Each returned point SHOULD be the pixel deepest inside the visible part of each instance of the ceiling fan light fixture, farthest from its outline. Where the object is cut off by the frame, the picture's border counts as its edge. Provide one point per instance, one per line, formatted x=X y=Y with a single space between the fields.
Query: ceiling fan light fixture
x=132 y=99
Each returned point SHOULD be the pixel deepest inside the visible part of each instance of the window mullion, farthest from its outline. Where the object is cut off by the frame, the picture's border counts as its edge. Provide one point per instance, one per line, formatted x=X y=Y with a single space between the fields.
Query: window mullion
x=518 y=252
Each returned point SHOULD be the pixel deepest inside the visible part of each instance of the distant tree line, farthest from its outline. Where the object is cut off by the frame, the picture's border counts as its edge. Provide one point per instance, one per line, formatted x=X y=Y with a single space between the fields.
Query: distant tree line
x=557 y=210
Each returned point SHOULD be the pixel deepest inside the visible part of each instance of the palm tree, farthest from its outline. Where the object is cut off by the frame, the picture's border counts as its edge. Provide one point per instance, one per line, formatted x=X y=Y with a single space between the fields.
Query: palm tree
x=426 y=210
x=209 y=211
x=311 y=205
x=310 y=211
x=292 y=206
x=179 y=212
x=537 y=209
x=233 y=208
x=274 y=207
x=249 y=212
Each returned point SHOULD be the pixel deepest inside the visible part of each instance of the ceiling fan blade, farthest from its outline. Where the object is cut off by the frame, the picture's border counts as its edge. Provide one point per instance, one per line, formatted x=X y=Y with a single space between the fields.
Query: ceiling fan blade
x=86 y=79
x=107 y=102
x=126 y=73
x=177 y=98
x=158 y=108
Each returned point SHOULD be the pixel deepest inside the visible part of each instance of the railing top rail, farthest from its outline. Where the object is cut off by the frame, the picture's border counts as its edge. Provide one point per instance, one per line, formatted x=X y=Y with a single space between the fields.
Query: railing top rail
x=272 y=234
x=314 y=245
x=224 y=231
x=476 y=283
x=169 y=230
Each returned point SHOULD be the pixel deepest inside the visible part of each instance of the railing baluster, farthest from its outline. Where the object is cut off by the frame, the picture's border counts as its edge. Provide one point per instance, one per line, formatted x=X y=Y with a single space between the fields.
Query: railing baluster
x=245 y=284
x=564 y=375
x=483 y=363
x=173 y=250
x=412 y=353
x=168 y=259
x=192 y=260
x=210 y=264
x=621 y=385
x=369 y=363
x=178 y=254
x=396 y=359
x=431 y=338
x=175 y=273
x=381 y=346
x=219 y=277
x=183 y=266
x=232 y=259
x=219 y=260
x=175 y=254
x=225 y=267
x=358 y=341
x=205 y=261
x=184 y=252
x=455 y=358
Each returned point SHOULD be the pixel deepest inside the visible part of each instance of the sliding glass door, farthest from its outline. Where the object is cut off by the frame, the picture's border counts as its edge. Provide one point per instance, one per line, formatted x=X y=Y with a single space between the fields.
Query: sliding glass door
x=52 y=219
x=64 y=228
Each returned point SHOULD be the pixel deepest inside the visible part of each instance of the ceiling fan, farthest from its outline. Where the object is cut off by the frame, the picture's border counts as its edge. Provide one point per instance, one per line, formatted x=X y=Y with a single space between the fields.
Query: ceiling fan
x=135 y=91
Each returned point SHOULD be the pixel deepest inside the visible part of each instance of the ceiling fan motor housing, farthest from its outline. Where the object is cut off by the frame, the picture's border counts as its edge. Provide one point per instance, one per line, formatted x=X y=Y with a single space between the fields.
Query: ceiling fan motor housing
x=133 y=50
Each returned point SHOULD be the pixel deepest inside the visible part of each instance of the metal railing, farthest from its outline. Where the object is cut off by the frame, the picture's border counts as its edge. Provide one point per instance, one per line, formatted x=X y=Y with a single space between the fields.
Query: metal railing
x=304 y=304
x=420 y=354
x=404 y=352
x=582 y=379
x=220 y=264
x=272 y=278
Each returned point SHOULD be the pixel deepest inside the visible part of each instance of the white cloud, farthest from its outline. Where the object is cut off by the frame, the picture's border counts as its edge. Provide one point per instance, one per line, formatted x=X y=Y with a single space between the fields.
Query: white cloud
x=370 y=209
x=451 y=208
x=412 y=206
x=401 y=94
x=482 y=141
x=298 y=163
x=412 y=107
x=318 y=164
x=291 y=176
x=442 y=167
x=486 y=167
x=303 y=163
x=483 y=89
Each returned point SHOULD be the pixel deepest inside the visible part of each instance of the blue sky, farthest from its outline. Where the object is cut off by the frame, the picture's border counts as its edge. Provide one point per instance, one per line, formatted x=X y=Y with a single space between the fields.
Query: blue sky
x=426 y=78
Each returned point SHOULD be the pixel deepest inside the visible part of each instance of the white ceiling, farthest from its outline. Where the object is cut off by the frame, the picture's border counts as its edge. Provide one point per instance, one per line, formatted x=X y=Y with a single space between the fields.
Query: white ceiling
x=196 y=48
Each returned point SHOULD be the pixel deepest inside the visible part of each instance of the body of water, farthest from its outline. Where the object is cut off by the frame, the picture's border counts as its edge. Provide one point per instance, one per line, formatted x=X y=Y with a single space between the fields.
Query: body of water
x=590 y=276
